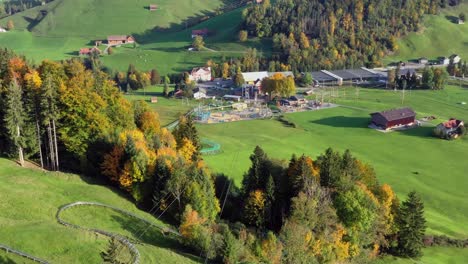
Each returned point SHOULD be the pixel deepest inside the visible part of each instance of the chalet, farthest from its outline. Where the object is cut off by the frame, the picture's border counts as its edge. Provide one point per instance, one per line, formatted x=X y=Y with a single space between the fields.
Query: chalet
x=423 y=60
x=153 y=7
x=2 y=30
x=199 y=93
x=451 y=129
x=201 y=74
x=119 y=40
x=88 y=51
x=444 y=61
x=254 y=79
x=200 y=32
x=455 y=58
x=393 y=118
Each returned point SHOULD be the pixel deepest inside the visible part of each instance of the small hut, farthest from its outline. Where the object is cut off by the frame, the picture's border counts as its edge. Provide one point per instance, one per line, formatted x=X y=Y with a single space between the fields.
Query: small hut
x=154 y=100
x=451 y=129
x=153 y=7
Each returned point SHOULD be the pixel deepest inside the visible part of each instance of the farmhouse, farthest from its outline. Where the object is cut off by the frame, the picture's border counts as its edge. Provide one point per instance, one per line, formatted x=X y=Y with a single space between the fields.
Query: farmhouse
x=451 y=129
x=120 y=39
x=201 y=74
x=2 y=30
x=393 y=118
x=254 y=78
x=199 y=93
x=423 y=60
x=455 y=58
x=200 y=32
x=444 y=61
x=153 y=7
x=88 y=51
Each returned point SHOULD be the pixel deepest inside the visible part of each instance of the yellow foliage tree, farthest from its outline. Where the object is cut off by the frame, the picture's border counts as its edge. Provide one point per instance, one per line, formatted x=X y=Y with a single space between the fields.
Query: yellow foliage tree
x=254 y=208
x=187 y=149
x=33 y=80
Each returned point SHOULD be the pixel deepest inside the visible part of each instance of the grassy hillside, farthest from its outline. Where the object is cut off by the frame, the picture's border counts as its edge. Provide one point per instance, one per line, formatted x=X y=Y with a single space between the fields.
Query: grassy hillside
x=408 y=160
x=94 y=19
x=70 y=26
x=441 y=36
x=30 y=199
x=99 y=18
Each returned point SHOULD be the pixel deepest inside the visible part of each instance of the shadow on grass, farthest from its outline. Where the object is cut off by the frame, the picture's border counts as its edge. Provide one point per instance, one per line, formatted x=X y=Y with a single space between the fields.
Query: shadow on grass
x=452 y=19
x=6 y=260
x=153 y=236
x=343 y=121
x=423 y=132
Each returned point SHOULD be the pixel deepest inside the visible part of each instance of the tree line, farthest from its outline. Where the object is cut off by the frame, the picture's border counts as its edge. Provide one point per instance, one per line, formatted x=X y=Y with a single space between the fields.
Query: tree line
x=312 y=35
x=11 y=7
x=70 y=117
x=328 y=210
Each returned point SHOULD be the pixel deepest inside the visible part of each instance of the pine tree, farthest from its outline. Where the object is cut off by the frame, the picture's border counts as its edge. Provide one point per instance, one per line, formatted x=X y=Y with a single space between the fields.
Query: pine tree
x=49 y=115
x=15 y=118
x=166 y=86
x=412 y=226
x=112 y=252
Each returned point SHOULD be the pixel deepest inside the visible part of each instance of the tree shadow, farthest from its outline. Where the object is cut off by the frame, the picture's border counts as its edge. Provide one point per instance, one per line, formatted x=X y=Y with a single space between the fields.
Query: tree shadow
x=152 y=235
x=423 y=131
x=343 y=121
x=452 y=19
x=6 y=260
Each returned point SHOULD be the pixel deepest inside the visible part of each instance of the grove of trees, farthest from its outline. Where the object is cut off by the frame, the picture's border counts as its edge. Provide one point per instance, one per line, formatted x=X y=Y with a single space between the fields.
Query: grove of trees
x=71 y=116
x=311 y=35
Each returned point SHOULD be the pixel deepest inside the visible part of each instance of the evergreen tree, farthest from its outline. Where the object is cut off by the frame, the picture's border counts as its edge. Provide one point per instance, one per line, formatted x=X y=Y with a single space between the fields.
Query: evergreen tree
x=15 y=118
x=428 y=78
x=155 y=77
x=49 y=116
x=258 y=172
x=112 y=252
x=412 y=226
x=166 y=86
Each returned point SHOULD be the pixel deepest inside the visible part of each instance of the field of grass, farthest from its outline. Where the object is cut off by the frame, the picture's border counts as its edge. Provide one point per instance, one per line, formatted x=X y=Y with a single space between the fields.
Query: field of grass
x=71 y=26
x=169 y=109
x=441 y=36
x=407 y=160
x=30 y=200
x=433 y=255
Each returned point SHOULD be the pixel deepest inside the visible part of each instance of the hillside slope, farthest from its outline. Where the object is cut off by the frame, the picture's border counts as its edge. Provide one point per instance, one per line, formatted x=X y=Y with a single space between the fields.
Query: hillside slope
x=441 y=36
x=97 y=18
x=31 y=198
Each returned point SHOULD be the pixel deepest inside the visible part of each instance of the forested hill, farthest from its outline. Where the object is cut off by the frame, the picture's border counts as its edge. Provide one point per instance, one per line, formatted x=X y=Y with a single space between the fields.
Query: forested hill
x=336 y=33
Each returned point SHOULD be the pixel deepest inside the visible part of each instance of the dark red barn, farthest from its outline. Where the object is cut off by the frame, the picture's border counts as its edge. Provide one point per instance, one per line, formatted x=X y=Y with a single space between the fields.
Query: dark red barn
x=394 y=117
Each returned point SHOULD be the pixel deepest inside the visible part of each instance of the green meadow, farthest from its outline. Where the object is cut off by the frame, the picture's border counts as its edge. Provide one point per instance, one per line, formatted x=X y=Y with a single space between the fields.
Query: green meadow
x=163 y=37
x=440 y=36
x=31 y=198
x=407 y=160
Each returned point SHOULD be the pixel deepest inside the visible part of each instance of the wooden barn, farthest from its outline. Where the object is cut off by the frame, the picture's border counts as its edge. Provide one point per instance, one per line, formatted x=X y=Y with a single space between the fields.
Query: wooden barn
x=393 y=118
x=119 y=39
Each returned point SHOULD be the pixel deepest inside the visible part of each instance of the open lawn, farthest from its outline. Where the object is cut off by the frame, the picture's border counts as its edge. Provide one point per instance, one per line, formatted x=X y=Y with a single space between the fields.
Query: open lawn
x=433 y=255
x=169 y=109
x=71 y=25
x=407 y=160
x=30 y=200
x=440 y=36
